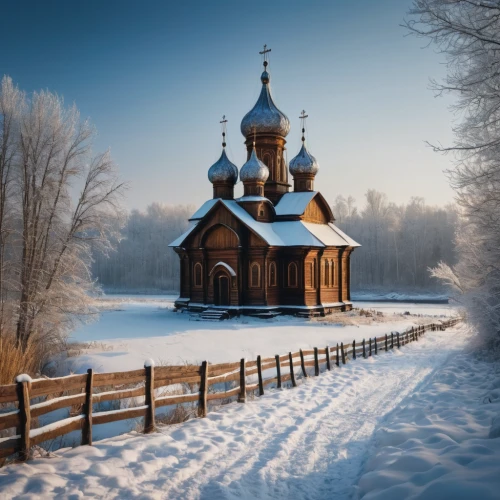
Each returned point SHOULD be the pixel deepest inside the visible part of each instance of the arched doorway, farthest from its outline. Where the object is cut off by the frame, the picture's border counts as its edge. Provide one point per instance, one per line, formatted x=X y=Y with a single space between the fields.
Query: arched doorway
x=222 y=285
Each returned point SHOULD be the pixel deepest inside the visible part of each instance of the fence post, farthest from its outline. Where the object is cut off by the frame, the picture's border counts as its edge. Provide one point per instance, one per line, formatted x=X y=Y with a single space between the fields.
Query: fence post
x=302 y=363
x=242 y=397
x=353 y=349
x=23 y=397
x=259 y=373
x=292 y=372
x=376 y=347
x=397 y=338
x=342 y=352
x=386 y=348
x=370 y=347
x=328 y=365
x=316 y=362
x=87 y=409
x=337 y=359
x=278 y=370
x=149 y=420
x=364 y=348
x=202 y=404
x=392 y=340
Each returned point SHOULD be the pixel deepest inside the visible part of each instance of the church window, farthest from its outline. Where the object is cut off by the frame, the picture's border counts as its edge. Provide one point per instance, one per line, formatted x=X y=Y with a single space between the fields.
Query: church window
x=313 y=274
x=197 y=274
x=332 y=270
x=311 y=277
x=273 y=280
x=255 y=275
x=327 y=274
x=292 y=275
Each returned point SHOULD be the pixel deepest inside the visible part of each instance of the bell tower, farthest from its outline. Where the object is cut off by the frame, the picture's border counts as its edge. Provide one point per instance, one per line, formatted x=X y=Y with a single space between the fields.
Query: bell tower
x=265 y=128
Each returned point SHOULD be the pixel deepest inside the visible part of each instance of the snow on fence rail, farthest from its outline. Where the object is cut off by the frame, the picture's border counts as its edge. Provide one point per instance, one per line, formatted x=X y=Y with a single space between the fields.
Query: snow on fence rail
x=82 y=391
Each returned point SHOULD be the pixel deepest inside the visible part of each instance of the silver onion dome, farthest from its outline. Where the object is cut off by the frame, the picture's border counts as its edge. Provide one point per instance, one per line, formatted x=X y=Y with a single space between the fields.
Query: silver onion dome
x=304 y=163
x=223 y=170
x=254 y=169
x=265 y=117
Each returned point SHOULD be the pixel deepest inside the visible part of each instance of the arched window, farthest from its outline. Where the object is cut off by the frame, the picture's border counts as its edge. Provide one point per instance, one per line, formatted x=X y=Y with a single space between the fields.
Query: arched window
x=198 y=280
x=332 y=270
x=255 y=275
x=292 y=274
x=273 y=279
x=310 y=277
x=327 y=274
x=313 y=274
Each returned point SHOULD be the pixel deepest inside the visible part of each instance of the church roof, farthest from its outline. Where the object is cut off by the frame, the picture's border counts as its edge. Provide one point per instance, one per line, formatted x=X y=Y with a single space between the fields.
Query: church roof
x=280 y=233
x=294 y=203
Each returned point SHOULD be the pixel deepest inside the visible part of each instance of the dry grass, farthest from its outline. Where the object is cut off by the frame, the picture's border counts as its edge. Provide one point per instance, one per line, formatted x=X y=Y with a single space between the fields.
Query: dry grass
x=14 y=361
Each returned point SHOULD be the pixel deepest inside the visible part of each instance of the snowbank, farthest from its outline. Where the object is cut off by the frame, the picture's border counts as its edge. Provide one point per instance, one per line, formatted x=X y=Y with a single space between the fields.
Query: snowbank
x=445 y=443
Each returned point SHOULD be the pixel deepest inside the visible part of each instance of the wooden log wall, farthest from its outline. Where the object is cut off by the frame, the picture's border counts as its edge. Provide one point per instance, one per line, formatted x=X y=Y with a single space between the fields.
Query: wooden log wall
x=204 y=381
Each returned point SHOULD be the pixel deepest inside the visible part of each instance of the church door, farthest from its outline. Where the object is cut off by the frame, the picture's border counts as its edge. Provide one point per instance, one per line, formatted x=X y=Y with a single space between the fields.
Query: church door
x=221 y=289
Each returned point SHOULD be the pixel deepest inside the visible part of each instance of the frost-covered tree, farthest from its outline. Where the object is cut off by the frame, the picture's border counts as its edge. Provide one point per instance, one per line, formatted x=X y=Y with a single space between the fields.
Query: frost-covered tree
x=468 y=34
x=399 y=242
x=58 y=202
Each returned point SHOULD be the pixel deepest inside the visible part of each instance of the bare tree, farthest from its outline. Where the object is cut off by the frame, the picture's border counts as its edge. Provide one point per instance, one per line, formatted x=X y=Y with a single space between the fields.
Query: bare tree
x=50 y=247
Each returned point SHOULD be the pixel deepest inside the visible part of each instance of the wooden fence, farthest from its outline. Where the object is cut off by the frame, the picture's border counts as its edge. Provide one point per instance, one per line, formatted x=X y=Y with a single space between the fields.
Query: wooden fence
x=84 y=391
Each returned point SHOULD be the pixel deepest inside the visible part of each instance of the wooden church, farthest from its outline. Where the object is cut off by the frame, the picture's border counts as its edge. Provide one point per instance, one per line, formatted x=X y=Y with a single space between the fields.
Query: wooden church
x=272 y=250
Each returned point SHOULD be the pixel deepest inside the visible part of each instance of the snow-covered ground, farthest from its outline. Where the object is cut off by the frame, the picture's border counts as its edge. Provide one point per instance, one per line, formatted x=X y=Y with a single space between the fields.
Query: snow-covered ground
x=135 y=328
x=412 y=423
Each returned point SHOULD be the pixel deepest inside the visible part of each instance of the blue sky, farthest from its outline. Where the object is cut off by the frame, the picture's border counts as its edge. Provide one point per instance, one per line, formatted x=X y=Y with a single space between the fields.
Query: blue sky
x=155 y=77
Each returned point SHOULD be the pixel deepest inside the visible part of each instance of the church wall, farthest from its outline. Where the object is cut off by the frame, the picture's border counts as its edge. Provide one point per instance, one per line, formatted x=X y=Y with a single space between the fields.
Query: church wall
x=315 y=212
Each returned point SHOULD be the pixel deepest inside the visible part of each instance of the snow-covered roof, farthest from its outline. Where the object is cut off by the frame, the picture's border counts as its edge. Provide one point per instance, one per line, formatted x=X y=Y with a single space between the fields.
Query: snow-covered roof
x=204 y=209
x=281 y=233
x=252 y=198
x=178 y=241
x=294 y=203
x=232 y=272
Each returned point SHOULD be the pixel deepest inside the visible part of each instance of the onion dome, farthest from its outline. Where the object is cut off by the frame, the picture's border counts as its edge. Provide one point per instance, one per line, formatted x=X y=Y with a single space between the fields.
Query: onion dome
x=223 y=170
x=265 y=117
x=254 y=170
x=304 y=163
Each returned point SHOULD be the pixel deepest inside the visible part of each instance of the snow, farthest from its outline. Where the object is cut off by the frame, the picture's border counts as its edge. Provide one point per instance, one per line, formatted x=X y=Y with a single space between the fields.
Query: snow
x=253 y=198
x=204 y=209
x=418 y=412
x=326 y=234
x=294 y=203
x=232 y=272
x=23 y=378
x=149 y=363
x=445 y=442
x=137 y=330
x=285 y=233
x=178 y=241
x=55 y=425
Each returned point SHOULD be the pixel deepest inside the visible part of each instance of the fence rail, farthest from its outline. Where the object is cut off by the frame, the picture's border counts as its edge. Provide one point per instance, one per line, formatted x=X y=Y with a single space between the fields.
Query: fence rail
x=117 y=386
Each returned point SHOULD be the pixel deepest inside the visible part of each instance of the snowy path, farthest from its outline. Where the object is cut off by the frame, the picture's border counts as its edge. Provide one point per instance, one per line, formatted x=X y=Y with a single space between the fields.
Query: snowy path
x=306 y=443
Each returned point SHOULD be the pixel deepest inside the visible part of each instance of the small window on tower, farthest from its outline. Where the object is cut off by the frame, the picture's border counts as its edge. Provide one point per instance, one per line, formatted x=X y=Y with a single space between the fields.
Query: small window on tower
x=261 y=213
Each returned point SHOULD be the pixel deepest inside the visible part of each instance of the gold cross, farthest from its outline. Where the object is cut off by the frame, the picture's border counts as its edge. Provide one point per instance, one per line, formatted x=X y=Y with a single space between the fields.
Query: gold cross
x=303 y=115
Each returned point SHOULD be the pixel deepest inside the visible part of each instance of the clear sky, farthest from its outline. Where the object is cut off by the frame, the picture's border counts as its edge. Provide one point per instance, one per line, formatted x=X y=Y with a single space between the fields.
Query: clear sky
x=155 y=77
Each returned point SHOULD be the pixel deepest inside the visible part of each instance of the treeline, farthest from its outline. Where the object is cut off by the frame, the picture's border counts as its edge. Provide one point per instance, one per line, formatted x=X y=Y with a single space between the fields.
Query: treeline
x=143 y=261
x=400 y=243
